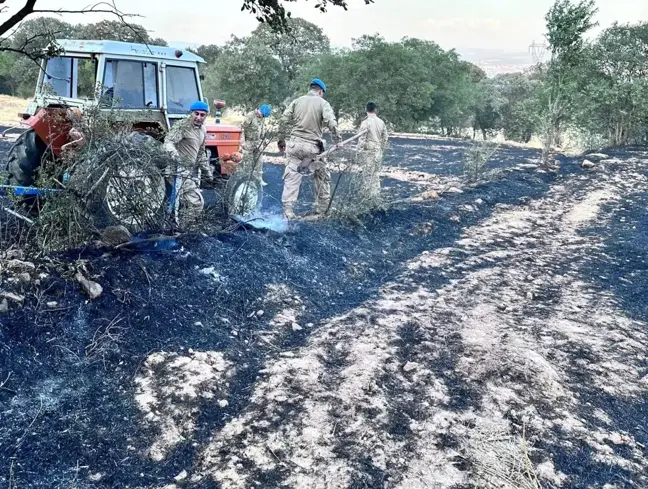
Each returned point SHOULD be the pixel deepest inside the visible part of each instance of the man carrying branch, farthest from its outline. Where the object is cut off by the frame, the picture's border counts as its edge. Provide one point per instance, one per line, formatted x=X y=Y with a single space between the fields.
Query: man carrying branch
x=371 y=146
x=303 y=121
x=186 y=143
x=253 y=139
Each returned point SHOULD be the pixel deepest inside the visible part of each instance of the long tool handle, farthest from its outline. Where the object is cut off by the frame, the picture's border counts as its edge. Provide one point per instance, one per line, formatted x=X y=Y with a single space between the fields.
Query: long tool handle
x=343 y=143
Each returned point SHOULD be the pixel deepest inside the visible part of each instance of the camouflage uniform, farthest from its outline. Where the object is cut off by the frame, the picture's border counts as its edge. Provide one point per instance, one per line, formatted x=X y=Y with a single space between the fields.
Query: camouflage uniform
x=253 y=137
x=186 y=143
x=371 y=146
x=306 y=117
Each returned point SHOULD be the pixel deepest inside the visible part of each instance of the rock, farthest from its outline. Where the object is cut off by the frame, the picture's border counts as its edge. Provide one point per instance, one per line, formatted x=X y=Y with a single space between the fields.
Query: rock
x=15 y=254
x=260 y=313
x=479 y=202
x=52 y=304
x=528 y=166
x=181 y=476
x=410 y=366
x=296 y=327
x=4 y=305
x=13 y=297
x=20 y=265
x=597 y=156
x=115 y=235
x=24 y=277
x=454 y=190
x=429 y=195
x=223 y=403
x=529 y=295
x=93 y=289
x=455 y=218
x=95 y=477
x=587 y=164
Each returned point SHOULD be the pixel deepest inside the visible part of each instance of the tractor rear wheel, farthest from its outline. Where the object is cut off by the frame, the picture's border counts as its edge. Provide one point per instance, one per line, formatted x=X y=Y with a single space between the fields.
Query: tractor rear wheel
x=24 y=159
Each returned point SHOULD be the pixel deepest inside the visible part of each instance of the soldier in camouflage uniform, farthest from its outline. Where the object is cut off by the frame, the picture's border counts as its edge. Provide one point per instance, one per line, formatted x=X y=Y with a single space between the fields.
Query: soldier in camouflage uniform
x=253 y=140
x=371 y=146
x=303 y=122
x=186 y=143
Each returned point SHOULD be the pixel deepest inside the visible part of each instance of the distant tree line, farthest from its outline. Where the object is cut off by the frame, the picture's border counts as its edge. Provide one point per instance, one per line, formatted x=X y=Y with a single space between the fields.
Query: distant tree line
x=597 y=88
x=602 y=91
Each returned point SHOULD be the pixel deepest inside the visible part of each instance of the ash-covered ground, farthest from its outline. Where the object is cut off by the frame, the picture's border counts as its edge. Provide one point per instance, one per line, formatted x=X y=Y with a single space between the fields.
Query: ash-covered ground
x=493 y=337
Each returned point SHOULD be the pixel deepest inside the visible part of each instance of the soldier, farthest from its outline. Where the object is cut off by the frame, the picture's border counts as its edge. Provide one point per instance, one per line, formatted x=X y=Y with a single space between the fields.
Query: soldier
x=186 y=143
x=305 y=118
x=371 y=146
x=253 y=138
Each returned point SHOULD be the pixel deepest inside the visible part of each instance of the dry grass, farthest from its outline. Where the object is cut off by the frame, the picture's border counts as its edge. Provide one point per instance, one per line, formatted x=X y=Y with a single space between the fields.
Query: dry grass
x=230 y=116
x=9 y=109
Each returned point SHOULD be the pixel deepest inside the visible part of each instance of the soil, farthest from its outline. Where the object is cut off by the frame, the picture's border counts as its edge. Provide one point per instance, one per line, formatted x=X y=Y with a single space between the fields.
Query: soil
x=494 y=336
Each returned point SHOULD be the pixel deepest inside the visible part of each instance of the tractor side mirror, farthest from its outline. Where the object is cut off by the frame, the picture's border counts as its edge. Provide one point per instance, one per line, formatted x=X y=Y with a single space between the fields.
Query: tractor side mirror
x=202 y=77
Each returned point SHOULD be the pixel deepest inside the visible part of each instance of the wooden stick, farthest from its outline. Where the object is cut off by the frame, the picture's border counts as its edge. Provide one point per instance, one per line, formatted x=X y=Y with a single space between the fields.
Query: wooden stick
x=19 y=216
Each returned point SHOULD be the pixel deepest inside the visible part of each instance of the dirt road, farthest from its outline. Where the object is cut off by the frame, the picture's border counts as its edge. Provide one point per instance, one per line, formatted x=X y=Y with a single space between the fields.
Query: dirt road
x=492 y=338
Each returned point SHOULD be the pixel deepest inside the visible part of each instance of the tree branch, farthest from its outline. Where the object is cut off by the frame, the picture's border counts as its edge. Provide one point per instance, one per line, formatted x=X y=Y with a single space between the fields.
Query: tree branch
x=15 y=19
x=107 y=7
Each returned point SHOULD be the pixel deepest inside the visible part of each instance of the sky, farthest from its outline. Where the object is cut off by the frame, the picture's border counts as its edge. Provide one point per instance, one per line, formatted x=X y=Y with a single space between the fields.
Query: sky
x=503 y=25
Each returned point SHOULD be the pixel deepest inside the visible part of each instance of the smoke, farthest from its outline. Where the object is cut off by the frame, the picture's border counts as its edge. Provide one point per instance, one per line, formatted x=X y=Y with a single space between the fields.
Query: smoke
x=263 y=220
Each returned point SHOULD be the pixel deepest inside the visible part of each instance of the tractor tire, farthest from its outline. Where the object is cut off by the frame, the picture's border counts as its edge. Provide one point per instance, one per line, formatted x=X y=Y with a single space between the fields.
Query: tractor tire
x=24 y=159
x=126 y=194
x=244 y=195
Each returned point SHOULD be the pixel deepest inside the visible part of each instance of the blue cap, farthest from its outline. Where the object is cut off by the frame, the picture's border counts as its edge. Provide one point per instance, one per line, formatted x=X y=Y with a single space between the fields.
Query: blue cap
x=199 y=105
x=265 y=110
x=319 y=83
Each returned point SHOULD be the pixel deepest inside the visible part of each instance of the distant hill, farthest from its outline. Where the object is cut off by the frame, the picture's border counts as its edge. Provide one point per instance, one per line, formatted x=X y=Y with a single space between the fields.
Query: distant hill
x=495 y=61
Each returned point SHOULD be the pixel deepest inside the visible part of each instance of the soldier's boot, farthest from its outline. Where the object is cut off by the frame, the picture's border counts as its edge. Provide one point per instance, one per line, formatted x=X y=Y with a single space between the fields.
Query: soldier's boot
x=289 y=214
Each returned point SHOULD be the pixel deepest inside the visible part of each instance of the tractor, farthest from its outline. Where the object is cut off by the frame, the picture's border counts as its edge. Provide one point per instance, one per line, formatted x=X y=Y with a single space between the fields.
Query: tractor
x=151 y=87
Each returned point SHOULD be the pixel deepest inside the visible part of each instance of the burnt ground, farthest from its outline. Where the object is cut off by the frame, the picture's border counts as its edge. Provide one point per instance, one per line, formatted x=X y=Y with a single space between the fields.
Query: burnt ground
x=490 y=338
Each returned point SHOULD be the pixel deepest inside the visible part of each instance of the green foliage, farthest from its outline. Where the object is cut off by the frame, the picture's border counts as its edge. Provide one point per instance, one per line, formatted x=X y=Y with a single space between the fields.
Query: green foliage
x=116 y=31
x=246 y=75
x=412 y=81
x=598 y=89
x=302 y=43
x=518 y=109
x=263 y=67
x=209 y=52
x=488 y=108
x=7 y=69
x=613 y=94
x=567 y=23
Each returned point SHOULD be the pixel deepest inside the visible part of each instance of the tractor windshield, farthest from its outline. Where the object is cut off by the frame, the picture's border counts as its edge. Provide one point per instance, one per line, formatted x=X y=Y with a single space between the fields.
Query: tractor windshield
x=70 y=77
x=130 y=84
x=182 y=89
